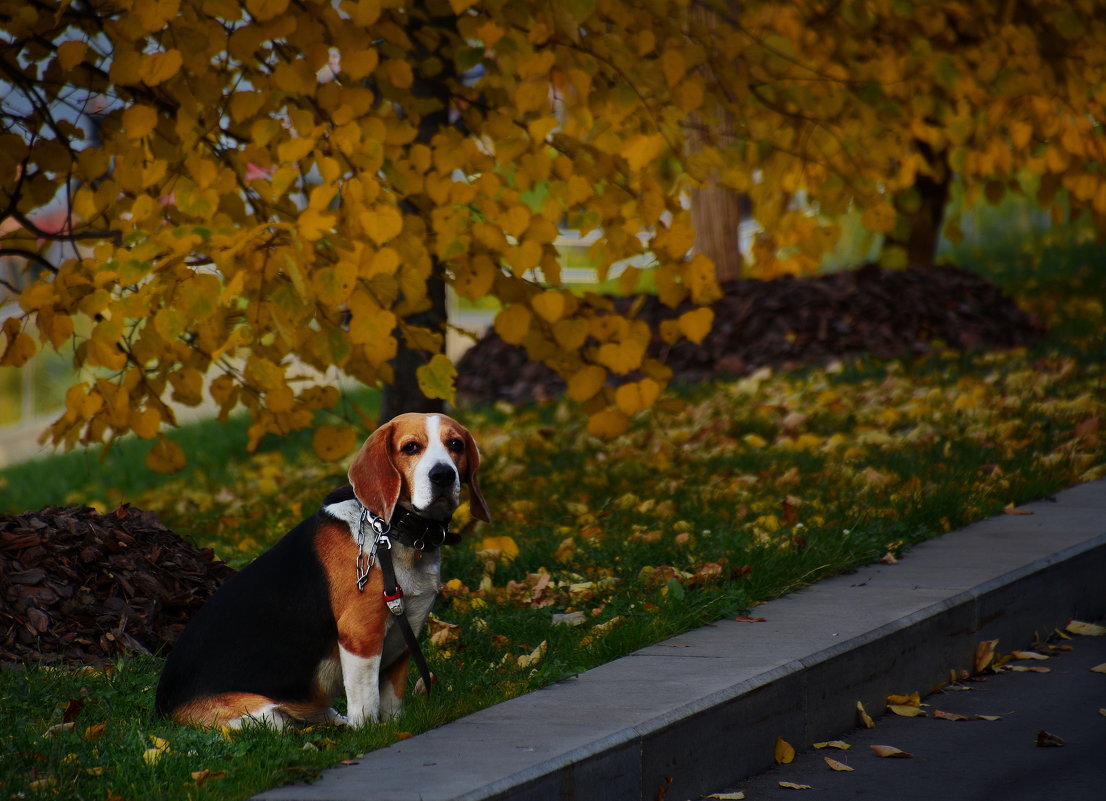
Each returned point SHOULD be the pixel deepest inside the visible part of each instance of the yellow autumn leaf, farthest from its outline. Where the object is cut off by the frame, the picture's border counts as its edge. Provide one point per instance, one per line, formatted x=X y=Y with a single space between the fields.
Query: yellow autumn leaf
x=436 y=378
x=382 y=223
x=608 y=423
x=585 y=383
x=1086 y=629
x=20 y=348
x=621 y=357
x=295 y=149
x=794 y=786
x=94 y=733
x=840 y=745
x=265 y=10
x=641 y=149
x=696 y=324
x=535 y=656
x=333 y=443
x=984 y=655
x=784 y=752
x=166 y=456
x=833 y=764
x=889 y=751
x=71 y=53
x=504 y=547
x=863 y=719
x=550 y=305
x=902 y=710
x=139 y=120
x=513 y=323
x=631 y=398
x=160 y=67
x=570 y=333
x=913 y=699
x=359 y=64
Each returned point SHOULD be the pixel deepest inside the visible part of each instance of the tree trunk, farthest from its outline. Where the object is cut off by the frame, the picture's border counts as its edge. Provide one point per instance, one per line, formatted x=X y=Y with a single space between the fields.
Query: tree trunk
x=715 y=211
x=404 y=395
x=716 y=216
x=919 y=231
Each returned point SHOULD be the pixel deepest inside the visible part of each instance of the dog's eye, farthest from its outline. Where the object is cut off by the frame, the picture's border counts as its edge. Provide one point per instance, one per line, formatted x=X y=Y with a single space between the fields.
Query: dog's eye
x=456 y=445
x=411 y=448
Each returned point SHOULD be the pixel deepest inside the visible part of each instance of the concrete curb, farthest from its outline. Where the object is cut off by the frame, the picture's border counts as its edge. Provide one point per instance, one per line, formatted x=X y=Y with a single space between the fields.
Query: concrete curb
x=703 y=710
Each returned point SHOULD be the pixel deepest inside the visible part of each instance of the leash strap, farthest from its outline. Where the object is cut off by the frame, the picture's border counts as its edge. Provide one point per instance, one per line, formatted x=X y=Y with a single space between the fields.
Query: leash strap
x=393 y=595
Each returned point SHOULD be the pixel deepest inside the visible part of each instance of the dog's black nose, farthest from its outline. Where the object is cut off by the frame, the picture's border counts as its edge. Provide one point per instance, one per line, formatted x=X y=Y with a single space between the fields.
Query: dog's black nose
x=442 y=475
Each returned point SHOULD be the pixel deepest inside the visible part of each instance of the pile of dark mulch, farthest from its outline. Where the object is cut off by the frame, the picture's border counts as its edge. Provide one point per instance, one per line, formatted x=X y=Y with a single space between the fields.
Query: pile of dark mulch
x=77 y=586
x=789 y=322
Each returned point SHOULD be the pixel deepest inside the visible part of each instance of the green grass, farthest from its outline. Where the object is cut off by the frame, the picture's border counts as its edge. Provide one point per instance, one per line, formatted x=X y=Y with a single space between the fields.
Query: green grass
x=728 y=495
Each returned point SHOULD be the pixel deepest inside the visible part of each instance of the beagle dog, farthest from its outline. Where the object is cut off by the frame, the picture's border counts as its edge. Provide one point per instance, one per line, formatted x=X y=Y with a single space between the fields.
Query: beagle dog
x=309 y=617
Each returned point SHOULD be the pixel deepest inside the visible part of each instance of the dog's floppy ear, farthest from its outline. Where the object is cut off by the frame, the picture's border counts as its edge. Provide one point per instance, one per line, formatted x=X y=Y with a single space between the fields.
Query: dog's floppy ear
x=374 y=477
x=477 y=505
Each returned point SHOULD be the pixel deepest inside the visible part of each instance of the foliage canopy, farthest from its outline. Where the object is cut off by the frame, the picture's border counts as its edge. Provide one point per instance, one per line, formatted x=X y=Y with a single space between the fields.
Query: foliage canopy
x=252 y=194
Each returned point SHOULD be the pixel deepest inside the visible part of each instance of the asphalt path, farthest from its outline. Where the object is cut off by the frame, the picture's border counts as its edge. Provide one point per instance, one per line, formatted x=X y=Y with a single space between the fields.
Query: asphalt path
x=975 y=759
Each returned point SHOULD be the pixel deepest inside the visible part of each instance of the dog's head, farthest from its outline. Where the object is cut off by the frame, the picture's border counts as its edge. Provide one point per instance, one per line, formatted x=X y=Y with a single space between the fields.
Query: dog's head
x=419 y=461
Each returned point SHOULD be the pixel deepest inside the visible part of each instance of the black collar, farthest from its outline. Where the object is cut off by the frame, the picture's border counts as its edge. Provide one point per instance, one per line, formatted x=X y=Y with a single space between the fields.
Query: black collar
x=414 y=531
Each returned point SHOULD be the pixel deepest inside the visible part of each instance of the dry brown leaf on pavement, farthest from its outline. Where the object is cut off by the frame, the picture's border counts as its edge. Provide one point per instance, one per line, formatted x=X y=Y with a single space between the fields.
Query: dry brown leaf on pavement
x=984 y=655
x=1086 y=629
x=840 y=745
x=1028 y=655
x=890 y=751
x=785 y=752
x=904 y=711
x=937 y=713
x=1048 y=740
x=863 y=719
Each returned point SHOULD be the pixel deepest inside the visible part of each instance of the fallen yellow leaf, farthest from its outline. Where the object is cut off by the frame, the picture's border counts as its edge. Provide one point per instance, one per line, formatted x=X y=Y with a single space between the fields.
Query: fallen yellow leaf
x=1099 y=668
x=988 y=717
x=201 y=776
x=890 y=751
x=1024 y=669
x=738 y=796
x=94 y=732
x=1010 y=509
x=793 y=786
x=914 y=699
x=835 y=765
x=1028 y=655
x=939 y=715
x=863 y=719
x=1048 y=740
x=785 y=753
x=841 y=745
x=1086 y=629
x=59 y=728
x=984 y=655
x=535 y=656
x=902 y=710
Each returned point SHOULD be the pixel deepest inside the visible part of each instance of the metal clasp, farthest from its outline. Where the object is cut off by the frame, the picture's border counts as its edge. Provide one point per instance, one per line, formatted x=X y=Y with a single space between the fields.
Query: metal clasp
x=364 y=562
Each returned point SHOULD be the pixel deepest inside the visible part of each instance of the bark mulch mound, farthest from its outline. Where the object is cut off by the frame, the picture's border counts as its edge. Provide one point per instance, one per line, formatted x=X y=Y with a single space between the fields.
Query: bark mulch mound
x=77 y=586
x=790 y=322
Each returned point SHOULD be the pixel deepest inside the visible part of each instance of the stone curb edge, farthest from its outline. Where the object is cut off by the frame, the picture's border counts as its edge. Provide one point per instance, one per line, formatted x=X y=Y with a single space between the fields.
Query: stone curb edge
x=723 y=736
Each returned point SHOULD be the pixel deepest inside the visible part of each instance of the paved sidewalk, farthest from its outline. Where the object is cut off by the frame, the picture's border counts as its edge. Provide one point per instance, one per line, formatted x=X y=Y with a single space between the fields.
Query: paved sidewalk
x=973 y=760
x=702 y=711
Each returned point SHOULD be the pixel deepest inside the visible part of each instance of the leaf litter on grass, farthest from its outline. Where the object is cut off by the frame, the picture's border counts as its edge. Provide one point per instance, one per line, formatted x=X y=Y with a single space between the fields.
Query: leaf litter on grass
x=716 y=500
